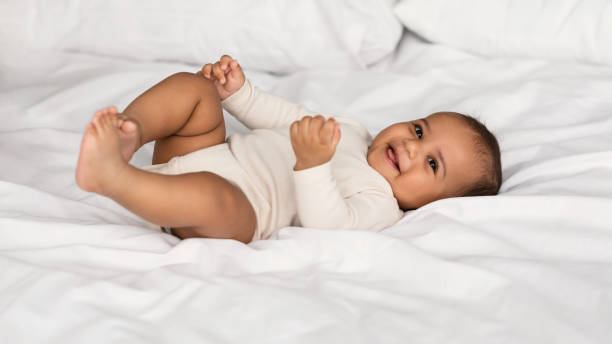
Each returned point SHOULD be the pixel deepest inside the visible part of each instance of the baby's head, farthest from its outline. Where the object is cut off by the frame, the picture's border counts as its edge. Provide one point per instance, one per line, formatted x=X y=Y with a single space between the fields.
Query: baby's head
x=445 y=154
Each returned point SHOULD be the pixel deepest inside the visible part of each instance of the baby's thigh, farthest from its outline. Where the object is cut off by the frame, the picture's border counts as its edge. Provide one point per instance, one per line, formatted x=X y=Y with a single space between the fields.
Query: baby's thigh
x=231 y=217
x=203 y=127
x=226 y=200
x=169 y=147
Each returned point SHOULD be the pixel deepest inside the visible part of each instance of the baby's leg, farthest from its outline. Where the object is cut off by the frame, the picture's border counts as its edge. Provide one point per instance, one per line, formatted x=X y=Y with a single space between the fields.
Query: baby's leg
x=182 y=113
x=201 y=204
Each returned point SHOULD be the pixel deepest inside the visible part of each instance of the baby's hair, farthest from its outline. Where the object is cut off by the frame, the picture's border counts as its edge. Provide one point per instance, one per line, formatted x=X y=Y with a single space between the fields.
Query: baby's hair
x=487 y=149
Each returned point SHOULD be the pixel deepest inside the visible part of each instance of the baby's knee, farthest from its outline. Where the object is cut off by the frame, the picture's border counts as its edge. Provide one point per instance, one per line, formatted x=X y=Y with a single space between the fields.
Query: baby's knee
x=196 y=81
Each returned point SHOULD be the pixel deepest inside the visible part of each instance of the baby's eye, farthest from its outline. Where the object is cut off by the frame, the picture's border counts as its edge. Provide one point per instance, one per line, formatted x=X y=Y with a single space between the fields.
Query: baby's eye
x=418 y=130
x=433 y=164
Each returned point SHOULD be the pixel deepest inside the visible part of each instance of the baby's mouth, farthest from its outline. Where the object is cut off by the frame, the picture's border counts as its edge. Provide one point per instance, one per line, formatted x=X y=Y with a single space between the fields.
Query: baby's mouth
x=392 y=157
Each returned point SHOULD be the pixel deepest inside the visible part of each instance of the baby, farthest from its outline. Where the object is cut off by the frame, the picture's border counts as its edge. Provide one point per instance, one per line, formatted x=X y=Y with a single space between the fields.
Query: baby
x=294 y=168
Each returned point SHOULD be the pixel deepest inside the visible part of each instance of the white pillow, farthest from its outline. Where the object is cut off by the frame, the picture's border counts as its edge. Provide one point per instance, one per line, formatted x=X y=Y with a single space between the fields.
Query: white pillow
x=578 y=30
x=270 y=35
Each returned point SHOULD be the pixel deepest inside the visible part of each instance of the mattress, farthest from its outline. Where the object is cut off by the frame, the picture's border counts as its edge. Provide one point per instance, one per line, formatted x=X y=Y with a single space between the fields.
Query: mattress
x=530 y=265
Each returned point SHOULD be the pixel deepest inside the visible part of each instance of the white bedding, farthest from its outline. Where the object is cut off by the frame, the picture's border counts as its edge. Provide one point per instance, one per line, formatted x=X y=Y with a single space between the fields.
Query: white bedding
x=531 y=265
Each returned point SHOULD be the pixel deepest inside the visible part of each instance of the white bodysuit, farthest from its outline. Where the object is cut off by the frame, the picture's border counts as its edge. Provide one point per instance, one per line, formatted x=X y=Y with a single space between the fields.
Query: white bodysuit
x=345 y=193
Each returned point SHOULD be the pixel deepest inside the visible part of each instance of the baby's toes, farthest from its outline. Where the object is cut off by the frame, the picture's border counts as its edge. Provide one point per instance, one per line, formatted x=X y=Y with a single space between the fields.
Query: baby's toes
x=100 y=121
x=95 y=121
x=102 y=110
x=107 y=110
x=90 y=130
x=106 y=121
x=110 y=110
x=113 y=119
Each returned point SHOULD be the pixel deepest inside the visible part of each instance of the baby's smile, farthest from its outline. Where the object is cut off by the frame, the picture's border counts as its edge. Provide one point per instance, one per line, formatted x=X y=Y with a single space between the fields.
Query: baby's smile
x=392 y=158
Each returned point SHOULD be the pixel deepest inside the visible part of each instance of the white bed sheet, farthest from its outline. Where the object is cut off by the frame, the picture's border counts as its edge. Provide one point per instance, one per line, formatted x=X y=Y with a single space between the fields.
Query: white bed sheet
x=532 y=265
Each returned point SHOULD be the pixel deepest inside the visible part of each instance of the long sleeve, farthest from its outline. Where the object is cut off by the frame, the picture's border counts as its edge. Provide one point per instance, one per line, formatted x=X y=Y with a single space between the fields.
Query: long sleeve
x=257 y=109
x=320 y=204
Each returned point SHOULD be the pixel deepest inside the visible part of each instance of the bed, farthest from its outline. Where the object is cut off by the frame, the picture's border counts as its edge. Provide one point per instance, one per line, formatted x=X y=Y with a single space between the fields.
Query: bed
x=530 y=265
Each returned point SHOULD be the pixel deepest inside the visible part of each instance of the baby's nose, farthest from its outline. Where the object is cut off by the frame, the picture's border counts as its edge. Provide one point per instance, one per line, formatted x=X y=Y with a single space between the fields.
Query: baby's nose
x=412 y=147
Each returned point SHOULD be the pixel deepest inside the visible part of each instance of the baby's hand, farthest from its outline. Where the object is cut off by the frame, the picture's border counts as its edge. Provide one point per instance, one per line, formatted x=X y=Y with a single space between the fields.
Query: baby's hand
x=226 y=74
x=314 y=141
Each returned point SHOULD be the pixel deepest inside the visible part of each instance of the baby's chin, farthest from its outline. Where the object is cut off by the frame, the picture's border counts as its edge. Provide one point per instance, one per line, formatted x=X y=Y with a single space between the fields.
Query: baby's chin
x=376 y=165
x=369 y=159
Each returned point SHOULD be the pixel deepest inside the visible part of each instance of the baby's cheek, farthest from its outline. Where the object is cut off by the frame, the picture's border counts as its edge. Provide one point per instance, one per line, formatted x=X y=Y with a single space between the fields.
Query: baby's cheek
x=414 y=191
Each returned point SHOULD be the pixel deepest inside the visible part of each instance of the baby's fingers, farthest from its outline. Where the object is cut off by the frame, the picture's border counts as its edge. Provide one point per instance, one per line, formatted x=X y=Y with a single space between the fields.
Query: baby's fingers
x=296 y=133
x=234 y=70
x=294 y=130
x=224 y=62
x=327 y=131
x=207 y=70
x=336 y=137
x=218 y=73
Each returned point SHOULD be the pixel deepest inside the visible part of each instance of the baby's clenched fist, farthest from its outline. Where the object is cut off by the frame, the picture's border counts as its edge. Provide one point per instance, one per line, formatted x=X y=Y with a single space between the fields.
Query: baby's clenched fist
x=226 y=74
x=314 y=141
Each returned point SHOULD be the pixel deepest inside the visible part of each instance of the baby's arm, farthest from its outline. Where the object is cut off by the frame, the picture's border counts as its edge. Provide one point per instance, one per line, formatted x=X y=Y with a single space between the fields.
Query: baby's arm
x=319 y=201
x=320 y=204
x=254 y=108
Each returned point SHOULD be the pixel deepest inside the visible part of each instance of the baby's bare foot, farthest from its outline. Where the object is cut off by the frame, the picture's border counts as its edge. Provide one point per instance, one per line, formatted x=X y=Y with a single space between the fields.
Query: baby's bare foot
x=100 y=159
x=129 y=132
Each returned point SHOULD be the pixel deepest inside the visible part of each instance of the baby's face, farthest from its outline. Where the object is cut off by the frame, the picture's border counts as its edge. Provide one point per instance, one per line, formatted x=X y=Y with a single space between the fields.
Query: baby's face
x=426 y=159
